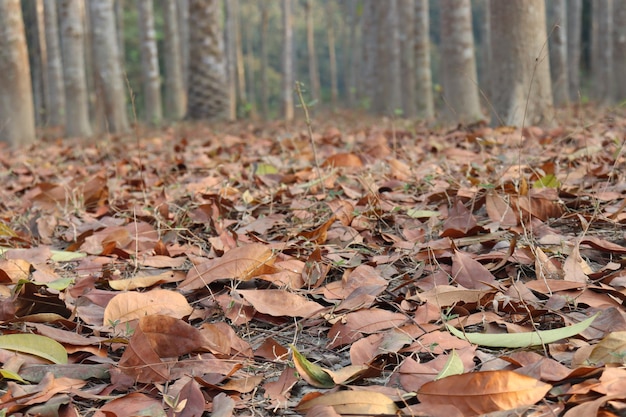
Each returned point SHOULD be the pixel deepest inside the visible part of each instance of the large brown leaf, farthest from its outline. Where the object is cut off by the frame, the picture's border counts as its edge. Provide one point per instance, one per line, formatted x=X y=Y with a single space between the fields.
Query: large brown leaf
x=484 y=392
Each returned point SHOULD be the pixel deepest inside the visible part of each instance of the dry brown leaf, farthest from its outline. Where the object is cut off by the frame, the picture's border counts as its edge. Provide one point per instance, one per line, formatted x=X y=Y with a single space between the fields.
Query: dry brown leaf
x=134 y=305
x=484 y=392
x=281 y=303
x=470 y=273
x=352 y=402
x=242 y=263
x=169 y=336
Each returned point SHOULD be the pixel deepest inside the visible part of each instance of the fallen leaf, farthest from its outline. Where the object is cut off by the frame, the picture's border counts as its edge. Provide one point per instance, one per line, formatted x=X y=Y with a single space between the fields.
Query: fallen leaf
x=352 y=402
x=34 y=344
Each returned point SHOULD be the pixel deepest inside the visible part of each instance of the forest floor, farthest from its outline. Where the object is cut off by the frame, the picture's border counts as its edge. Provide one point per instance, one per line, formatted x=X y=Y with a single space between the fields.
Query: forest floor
x=411 y=270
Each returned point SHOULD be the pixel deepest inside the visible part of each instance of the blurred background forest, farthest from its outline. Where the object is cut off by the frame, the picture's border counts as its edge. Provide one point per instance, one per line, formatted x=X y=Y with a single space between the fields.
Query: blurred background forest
x=97 y=66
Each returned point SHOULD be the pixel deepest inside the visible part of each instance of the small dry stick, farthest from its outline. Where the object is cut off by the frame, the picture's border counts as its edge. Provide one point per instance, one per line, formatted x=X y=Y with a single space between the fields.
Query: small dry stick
x=308 y=124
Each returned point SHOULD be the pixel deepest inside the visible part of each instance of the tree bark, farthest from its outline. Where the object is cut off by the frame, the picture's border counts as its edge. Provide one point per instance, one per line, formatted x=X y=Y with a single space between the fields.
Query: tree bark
x=55 y=94
x=459 y=77
x=107 y=64
x=16 y=102
x=388 y=92
x=153 y=107
x=175 y=96
x=264 y=60
x=423 y=79
x=287 y=78
x=522 y=92
x=73 y=53
x=406 y=10
x=602 y=66
x=119 y=29
x=231 y=57
x=557 y=28
x=37 y=57
x=208 y=96
x=183 y=27
x=574 y=33
x=350 y=55
x=369 y=23
x=619 y=50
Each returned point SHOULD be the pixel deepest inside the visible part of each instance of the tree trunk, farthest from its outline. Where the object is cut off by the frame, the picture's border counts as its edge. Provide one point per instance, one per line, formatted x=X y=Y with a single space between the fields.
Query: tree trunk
x=208 y=94
x=574 y=33
x=423 y=79
x=55 y=98
x=17 y=116
x=241 y=72
x=522 y=93
x=175 y=97
x=332 y=58
x=369 y=24
x=73 y=53
x=484 y=70
x=314 y=75
x=602 y=66
x=107 y=63
x=557 y=27
x=150 y=64
x=231 y=57
x=287 y=78
x=406 y=10
x=249 y=59
x=619 y=50
x=35 y=39
x=459 y=78
x=264 y=81
x=119 y=29
x=350 y=69
x=183 y=27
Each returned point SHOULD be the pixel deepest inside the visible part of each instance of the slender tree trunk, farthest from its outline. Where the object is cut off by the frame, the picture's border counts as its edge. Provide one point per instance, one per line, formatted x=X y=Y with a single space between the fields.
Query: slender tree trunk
x=249 y=59
x=619 y=50
x=35 y=35
x=73 y=53
x=175 y=96
x=231 y=57
x=602 y=67
x=330 y=30
x=484 y=71
x=287 y=77
x=314 y=75
x=241 y=71
x=388 y=92
x=107 y=63
x=350 y=49
x=574 y=33
x=406 y=10
x=183 y=27
x=150 y=64
x=55 y=94
x=557 y=27
x=460 y=80
x=423 y=80
x=369 y=24
x=208 y=96
x=522 y=92
x=264 y=9
x=119 y=26
x=16 y=101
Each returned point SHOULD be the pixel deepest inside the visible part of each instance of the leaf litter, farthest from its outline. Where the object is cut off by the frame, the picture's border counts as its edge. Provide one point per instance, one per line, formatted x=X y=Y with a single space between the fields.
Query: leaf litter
x=217 y=270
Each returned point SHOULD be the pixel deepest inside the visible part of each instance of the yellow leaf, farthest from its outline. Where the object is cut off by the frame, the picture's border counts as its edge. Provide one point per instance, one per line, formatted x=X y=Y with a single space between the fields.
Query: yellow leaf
x=34 y=344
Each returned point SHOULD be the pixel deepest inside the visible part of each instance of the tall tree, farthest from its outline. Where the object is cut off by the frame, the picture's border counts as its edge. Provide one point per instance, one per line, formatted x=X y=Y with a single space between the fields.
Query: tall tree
x=619 y=49
x=484 y=70
x=119 y=27
x=183 y=27
x=175 y=96
x=314 y=74
x=37 y=56
x=73 y=53
x=557 y=27
x=55 y=98
x=207 y=93
x=332 y=59
x=406 y=10
x=602 y=65
x=574 y=34
x=350 y=59
x=231 y=56
x=17 y=118
x=522 y=92
x=149 y=63
x=287 y=67
x=423 y=80
x=264 y=11
x=370 y=27
x=460 y=81
x=107 y=64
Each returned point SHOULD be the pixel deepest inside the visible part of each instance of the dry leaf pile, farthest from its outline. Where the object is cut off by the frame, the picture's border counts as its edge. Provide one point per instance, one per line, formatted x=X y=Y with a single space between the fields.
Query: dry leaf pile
x=416 y=272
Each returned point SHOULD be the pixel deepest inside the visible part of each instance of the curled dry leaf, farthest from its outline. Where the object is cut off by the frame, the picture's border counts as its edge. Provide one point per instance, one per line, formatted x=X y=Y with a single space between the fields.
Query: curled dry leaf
x=484 y=392
x=352 y=402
